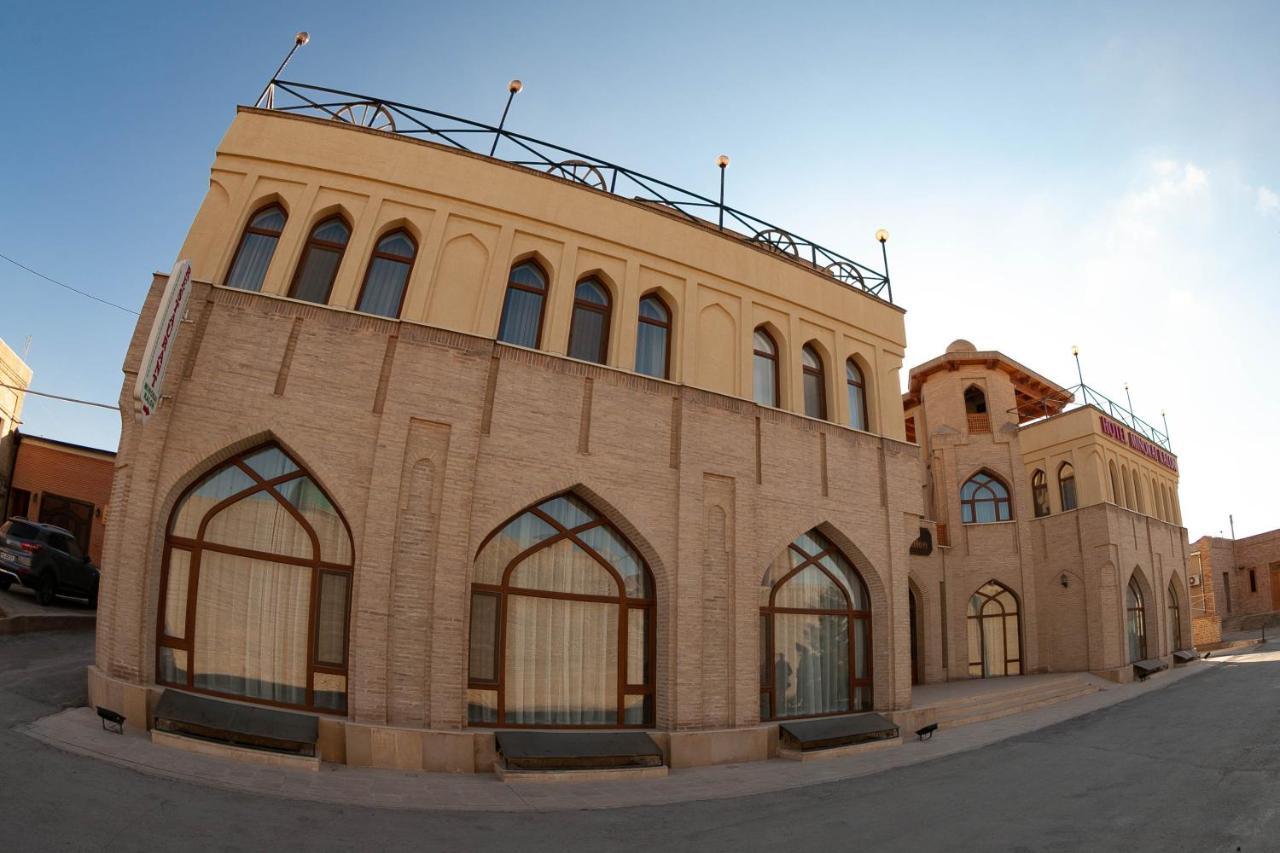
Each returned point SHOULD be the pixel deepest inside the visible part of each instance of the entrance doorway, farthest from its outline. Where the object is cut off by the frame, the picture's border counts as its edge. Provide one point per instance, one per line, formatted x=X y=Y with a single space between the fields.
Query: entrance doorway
x=995 y=647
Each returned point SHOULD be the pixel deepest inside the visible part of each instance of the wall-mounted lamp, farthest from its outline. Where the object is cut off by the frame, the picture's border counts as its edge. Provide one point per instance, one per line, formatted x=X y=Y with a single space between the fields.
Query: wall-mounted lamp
x=1064 y=581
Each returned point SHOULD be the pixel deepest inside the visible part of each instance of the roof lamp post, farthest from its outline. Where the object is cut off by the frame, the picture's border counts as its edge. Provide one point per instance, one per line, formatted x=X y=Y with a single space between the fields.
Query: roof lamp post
x=1130 y=400
x=268 y=93
x=1075 y=352
x=883 y=237
x=723 y=162
x=512 y=87
x=1164 y=416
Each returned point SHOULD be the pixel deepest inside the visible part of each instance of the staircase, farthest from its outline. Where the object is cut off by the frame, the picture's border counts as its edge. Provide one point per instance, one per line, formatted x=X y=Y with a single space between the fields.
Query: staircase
x=1013 y=696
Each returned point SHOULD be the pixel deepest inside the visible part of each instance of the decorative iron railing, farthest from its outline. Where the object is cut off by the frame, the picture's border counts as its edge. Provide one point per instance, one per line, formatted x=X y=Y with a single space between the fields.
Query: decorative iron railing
x=584 y=169
x=1084 y=395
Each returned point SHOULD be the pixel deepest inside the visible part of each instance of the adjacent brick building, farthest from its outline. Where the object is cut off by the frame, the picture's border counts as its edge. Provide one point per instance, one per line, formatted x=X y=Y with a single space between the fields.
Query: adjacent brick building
x=15 y=376
x=1239 y=578
x=66 y=484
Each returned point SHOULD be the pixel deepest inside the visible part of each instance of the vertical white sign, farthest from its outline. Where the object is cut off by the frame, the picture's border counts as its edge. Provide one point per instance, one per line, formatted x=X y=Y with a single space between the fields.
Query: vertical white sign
x=160 y=345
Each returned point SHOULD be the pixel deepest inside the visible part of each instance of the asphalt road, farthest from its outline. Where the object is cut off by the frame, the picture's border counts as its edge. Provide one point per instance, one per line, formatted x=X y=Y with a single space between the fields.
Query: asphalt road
x=1191 y=767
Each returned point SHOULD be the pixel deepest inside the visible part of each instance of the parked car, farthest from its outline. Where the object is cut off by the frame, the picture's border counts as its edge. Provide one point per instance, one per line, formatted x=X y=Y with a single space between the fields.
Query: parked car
x=47 y=559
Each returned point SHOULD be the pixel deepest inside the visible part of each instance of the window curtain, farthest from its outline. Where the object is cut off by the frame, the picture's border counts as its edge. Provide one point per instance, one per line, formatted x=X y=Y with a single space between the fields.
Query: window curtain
x=811 y=664
x=521 y=316
x=561 y=662
x=765 y=381
x=317 y=275
x=384 y=287
x=586 y=337
x=651 y=350
x=251 y=263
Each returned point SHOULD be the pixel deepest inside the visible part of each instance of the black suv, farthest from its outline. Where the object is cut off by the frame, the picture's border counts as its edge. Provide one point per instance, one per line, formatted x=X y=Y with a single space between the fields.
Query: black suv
x=47 y=559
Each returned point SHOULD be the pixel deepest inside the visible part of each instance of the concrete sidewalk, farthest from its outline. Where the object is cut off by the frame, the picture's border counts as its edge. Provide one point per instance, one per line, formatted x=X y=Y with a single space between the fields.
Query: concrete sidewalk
x=19 y=613
x=79 y=731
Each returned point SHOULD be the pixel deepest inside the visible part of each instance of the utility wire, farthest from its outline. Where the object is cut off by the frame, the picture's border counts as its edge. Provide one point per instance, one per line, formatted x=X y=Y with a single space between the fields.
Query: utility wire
x=68 y=287
x=60 y=397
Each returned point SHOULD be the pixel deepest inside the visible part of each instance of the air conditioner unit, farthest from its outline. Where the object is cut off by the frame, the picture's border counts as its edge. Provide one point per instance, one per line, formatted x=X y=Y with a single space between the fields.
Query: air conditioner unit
x=1193 y=580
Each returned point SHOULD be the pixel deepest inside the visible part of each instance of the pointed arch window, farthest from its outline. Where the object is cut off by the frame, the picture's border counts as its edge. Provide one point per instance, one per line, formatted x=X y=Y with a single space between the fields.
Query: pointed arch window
x=387 y=278
x=815 y=383
x=1117 y=491
x=1175 y=618
x=857 y=386
x=562 y=624
x=984 y=499
x=815 y=634
x=653 y=338
x=1135 y=622
x=1040 y=493
x=1067 y=486
x=995 y=647
x=1128 y=488
x=765 y=369
x=522 y=307
x=975 y=402
x=257 y=246
x=320 y=260
x=589 y=330
x=256 y=587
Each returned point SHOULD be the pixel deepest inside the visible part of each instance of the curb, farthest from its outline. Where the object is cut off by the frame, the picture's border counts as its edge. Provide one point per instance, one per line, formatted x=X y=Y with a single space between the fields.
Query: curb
x=25 y=624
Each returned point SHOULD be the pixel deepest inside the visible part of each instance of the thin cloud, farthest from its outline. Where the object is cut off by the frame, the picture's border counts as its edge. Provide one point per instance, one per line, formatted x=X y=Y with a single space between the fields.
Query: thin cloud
x=1268 y=201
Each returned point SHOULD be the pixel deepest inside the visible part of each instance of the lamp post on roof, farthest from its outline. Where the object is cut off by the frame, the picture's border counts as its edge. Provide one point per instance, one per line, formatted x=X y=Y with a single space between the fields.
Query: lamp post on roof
x=1164 y=416
x=883 y=237
x=512 y=88
x=723 y=162
x=1075 y=353
x=1129 y=399
x=267 y=98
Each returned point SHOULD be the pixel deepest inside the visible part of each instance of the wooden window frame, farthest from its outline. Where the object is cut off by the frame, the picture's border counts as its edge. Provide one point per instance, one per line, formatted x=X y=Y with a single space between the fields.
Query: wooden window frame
x=1040 y=494
x=625 y=603
x=969 y=506
x=1141 y=620
x=1003 y=616
x=196 y=546
x=312 y=242
x=542 y=293
x=777 y=364
x=586 y=305
x=1062 y=486
x=1175 y=617
x=386 y=256
x=858 y=621
x=821 y=372
x=260 y=232
x=666 y=327
x=861 y=385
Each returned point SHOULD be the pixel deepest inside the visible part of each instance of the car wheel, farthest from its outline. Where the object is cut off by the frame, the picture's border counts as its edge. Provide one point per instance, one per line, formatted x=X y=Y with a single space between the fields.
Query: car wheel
x=47 y=591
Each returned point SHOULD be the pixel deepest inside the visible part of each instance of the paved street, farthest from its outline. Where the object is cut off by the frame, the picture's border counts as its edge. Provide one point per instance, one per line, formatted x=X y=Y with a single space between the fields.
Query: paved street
x=1189 y=767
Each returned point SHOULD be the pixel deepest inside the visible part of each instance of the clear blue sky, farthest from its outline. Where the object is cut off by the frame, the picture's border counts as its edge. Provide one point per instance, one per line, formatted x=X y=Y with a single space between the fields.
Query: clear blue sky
x=1097 y=174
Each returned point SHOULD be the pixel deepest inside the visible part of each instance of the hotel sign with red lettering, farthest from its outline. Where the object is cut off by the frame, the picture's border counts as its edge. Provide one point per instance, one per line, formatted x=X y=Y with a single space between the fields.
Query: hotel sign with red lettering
x=1147 y=448
x=149 y=388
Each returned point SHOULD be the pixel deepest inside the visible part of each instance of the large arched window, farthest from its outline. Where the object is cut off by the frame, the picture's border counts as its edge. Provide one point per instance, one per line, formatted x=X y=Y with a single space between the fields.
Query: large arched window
x=1175 y=618
x=1135 y=622
x=994 y=645
x=1067 y=486
x=521 y=322
x=815 y=383
x=984 y=499
x=253 y=256
x=256 y=587
x=589 y=329
x=1040 y=493
x=320 y=260
x=765 y=369
x=815 y=634
x=388 y=275
x=1117 y=490
x=562 y=625
x=857 y=395
x=653 y=338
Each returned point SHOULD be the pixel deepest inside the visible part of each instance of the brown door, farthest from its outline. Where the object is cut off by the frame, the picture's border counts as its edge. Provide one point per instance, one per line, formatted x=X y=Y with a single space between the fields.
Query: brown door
x=1275 y=586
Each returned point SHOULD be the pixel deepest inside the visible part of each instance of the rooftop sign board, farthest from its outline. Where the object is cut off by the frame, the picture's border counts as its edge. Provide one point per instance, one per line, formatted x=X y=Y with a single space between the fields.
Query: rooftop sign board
x=1147 y=448
x=164 y=334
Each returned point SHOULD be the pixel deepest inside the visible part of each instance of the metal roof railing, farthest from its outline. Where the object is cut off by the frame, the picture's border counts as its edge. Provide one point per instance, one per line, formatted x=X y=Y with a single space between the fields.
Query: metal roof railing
x=1085 y=395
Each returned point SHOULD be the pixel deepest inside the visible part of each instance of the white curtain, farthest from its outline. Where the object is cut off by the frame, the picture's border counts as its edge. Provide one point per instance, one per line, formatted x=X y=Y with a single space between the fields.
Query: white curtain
x=811 y=664
x=384 y=287
x=561 y=662
x=521 y=317
x=252 y=261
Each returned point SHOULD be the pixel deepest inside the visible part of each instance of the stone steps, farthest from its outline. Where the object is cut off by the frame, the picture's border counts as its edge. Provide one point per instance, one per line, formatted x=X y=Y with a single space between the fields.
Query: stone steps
x=991 y=706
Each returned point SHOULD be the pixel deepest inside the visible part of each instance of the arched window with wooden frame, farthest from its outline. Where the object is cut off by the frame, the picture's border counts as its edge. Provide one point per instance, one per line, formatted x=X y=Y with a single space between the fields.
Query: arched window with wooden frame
x=1117 y=490
x=653 y=337
x=1040 y=493
x=815 y=382
x=984 y=499
x=815 y=634
x=995 y=646
x=256 y=587
x=764 y=366
x=387 y=278
x=321 y=258
x=562 y=624
x=857 y=385
x=589 y=328
x=1067 y=486
x=257 y=246
x=523 y=305
x=1135 y=621
x=1175 y=617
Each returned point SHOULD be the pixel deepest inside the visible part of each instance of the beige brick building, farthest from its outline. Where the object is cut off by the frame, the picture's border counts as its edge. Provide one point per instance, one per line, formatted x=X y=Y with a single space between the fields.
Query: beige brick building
x=1239 y=579
x=15 y=376
x=449 y=445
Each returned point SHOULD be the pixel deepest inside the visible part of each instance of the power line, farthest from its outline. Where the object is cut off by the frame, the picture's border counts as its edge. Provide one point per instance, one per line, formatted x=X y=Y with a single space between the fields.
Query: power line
x=60 y=397
x=68 y=287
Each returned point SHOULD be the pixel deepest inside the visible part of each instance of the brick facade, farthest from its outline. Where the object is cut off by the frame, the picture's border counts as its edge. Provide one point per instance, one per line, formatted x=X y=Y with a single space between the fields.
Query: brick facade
x=47 y=469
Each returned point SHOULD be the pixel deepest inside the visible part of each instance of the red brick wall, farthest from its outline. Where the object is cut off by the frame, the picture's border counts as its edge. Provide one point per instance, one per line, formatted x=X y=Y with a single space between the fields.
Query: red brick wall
x=42 y=468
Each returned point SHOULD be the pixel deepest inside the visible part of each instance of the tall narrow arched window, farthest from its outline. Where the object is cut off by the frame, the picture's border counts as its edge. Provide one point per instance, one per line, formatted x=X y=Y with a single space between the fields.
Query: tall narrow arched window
x=1067 y=486
x=1117 y=490
x=1128 y=488
x=984 y=499
x=995 y=647
x=388 y=275
x=256 y=587
x=764 y=364
x=815 y=383
x=815 y=634
x=589 y=329
x=253 y=256
x=857 y=395
x=1040 y=493
x=653 y=338
x=320 y=260
x=1135 y=622
x=562 y=623
x=1139 y=501
x=1175 y=618
x=521 y=322
x=975 y=402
